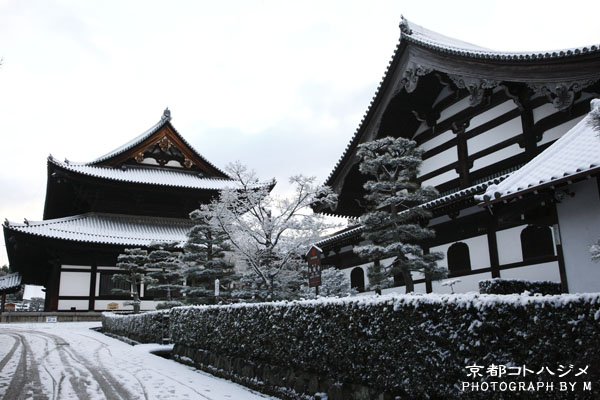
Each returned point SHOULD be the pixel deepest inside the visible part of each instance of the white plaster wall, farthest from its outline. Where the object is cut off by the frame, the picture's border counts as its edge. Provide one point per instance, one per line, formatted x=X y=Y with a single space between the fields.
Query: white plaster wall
x=492 y=113
x=468 y=283
x=495 y=135
x=509 y=245
x=441 y=178
x=538 y=272
x=579 y=223
x=552 y=134
x=80 y=305
x=478 y=252
x=497 y=156
x=74 y=284
x=438 y=161
x=437 y=140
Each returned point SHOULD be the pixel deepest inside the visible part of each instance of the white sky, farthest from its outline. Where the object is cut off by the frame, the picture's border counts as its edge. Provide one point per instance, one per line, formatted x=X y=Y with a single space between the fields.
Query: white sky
x=278 y=85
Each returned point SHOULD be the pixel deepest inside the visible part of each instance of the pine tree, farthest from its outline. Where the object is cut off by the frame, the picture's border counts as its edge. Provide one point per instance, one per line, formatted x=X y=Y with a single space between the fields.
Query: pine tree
x=133 y=264
x=205 y=261
x=379 y=277
x=168 y=278
x=394 y=226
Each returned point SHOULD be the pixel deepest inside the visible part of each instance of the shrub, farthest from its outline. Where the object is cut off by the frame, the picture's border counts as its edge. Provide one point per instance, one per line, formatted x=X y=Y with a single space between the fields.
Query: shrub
x=510 y=286
x=150 y=327
x=405 y=345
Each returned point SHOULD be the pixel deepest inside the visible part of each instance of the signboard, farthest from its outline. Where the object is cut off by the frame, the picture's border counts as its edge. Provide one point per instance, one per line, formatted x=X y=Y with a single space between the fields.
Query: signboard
x=51 y=319
x=314 y=267
x=112 y=306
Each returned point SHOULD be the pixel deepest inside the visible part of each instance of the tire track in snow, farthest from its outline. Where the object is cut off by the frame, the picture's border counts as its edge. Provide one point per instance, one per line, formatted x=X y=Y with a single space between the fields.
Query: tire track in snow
x=10 y=352
x=26 y=379
x=105 y=380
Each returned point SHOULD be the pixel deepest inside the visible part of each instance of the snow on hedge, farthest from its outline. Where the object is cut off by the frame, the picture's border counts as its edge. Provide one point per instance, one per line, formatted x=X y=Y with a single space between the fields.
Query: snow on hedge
x=150 y=327
x=408 y=345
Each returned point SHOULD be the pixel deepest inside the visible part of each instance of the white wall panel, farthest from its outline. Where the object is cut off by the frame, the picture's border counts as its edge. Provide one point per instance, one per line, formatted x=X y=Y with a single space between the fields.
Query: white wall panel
x=80 y=305
x=543 y=111
x=437 y=140
x=495 y=135
x=579 y=221
x=492 y=113
x=538 y=272
x=509 y=245
x=441 y=178
x=74 y=284
x=478 y=252
x=454 y=109
x=66 y=266
x=497 y=156
x=438 y=161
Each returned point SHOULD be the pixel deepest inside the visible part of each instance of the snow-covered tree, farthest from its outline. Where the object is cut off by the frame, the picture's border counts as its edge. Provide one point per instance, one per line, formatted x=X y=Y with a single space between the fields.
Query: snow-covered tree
x=133 y=264
x=168 y=278
x=595 y=251
x=271 y=234
x=333 y=283
x=394 y=226
x=205 y=259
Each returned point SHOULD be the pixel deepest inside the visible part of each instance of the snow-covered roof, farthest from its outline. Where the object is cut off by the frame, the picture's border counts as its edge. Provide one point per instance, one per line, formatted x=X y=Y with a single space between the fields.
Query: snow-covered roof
x=117 y=229
x=414 y=33
x=10 y=281
x=440 y=201
x=575 y=154
x=164 y=120
x=148 y=175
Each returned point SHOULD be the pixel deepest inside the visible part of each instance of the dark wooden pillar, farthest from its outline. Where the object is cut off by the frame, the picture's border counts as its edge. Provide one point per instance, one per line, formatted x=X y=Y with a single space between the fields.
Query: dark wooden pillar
x=529 y=142
x=51 y=303
x=92 y=303
x=463 y=165
x=493 y=247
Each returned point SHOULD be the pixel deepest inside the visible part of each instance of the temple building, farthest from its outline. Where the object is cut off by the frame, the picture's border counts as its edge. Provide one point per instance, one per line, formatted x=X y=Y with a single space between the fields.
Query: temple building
x=516 y=201
x=138 y=194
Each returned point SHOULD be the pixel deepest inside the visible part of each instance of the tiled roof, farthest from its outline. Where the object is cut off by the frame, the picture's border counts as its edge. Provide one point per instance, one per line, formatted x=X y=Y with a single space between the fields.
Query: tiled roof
x=148 y=175
x=575 y=154
x=440 y=201
x=10 y=281
x=105 y=228
x=166 y=118
x=413 y=33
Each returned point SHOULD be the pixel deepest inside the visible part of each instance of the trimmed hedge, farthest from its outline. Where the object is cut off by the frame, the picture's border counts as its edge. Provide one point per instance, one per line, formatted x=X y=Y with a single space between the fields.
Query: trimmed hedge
x=510 y=286
x=150 y=327
x=413 y=346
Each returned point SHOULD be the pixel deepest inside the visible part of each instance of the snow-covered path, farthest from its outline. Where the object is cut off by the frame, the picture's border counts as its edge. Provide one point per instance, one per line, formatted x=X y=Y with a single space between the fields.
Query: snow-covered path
x=70 y=361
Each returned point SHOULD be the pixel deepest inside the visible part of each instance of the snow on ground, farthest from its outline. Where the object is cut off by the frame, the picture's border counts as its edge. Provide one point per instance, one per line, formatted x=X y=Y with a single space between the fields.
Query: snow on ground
x=70 y=361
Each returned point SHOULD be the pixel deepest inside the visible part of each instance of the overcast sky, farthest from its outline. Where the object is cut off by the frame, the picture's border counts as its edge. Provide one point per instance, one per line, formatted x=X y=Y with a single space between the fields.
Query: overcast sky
x=280 y=86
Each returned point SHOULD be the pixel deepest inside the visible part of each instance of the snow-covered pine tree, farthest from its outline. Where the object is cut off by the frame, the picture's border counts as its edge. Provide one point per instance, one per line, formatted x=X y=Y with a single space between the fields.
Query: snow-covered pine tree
x=168 y=280
x=133 y=264
x=394 y=226
x=333 y=283
x=204 y=259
